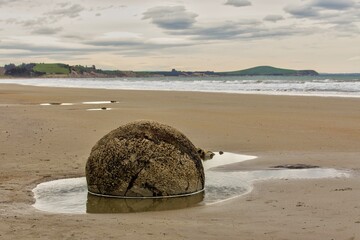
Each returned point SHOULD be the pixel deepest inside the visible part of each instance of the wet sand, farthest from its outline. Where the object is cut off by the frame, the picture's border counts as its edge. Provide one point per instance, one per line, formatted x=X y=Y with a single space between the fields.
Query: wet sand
x=40 y=143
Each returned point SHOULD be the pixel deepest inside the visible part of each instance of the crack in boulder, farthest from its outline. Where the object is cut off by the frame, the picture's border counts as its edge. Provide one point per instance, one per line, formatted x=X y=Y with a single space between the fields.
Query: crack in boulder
x=156 y=191
x=133 y=179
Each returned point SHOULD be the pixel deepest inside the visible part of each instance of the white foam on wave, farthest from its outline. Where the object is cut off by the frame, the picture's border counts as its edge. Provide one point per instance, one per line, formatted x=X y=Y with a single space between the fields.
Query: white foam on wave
x=339 y=86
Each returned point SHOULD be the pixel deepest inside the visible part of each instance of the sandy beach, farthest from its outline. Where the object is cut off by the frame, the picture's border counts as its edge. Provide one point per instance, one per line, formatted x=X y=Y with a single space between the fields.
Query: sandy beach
x=41 y=143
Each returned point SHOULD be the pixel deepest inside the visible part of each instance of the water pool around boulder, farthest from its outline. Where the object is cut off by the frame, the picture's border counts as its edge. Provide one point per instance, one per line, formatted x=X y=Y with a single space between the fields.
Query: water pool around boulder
x=71 y=195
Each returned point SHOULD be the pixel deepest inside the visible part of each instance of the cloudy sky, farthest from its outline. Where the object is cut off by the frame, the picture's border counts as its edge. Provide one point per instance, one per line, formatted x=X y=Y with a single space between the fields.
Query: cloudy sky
x=184 y=34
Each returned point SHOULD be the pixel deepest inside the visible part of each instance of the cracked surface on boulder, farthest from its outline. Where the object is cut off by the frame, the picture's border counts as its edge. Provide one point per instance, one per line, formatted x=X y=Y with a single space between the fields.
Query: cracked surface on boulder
x=144 y=159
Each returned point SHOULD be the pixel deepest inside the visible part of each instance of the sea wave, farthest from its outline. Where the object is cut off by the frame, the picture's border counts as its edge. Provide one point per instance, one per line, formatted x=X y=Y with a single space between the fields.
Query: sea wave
x=322 y=85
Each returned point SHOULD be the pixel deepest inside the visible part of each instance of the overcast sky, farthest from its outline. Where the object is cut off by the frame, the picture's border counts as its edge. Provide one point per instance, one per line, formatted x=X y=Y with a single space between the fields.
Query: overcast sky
x=184 y=34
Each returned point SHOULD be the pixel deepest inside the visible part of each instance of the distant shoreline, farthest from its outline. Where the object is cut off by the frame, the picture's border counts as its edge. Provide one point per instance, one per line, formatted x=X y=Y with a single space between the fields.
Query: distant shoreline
x=174 y=77
x=60 y=70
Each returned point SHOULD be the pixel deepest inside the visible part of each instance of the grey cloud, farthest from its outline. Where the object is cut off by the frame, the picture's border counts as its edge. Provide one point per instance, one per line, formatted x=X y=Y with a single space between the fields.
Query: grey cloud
x=238 y=3
x=20 y=3
x=280 y=32
x=84 y=47
x=70 y=11
x=34 y=22
x=30 y=48
x=47 y=50
x=67 y=10
x=344 y=15
x=64 y=4
x=347 y=30
x=11 y=21
x=273 y=18
x=301 y=11
x=176 y=17
x=334 y=4
x=316 y=8
x=5 y=2
x=110 y=7
x=114 y=43
x=47 y=30
x=30 y=22
x=224 y=31
x=351 y=17
x=236 y=30
x=134 y=44
x=107 y=7
x=73 y=37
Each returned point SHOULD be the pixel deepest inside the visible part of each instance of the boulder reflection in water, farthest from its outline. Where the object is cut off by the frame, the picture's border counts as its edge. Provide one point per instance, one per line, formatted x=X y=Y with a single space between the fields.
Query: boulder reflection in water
x=97 y=204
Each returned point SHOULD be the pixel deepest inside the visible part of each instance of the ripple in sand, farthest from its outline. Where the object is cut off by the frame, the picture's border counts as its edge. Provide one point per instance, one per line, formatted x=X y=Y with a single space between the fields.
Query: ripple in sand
x=71 y=195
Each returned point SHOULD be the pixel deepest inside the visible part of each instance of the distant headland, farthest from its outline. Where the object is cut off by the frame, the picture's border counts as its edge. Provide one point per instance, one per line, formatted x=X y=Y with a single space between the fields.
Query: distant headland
x=60 y=70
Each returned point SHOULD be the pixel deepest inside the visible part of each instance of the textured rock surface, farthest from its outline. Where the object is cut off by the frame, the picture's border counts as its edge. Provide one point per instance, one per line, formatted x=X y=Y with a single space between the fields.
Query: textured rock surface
x=205 y=155
x=144 y=158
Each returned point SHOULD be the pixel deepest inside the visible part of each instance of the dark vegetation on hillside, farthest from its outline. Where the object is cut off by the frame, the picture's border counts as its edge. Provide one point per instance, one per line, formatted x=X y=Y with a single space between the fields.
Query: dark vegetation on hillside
x=57 y=70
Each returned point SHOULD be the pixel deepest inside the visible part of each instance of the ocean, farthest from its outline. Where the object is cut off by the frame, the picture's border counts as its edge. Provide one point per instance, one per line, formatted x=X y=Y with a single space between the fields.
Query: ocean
x=341 y=85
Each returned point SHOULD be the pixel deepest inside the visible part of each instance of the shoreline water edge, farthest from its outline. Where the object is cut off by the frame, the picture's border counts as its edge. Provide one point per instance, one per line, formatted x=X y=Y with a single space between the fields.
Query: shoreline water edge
x=322 y=85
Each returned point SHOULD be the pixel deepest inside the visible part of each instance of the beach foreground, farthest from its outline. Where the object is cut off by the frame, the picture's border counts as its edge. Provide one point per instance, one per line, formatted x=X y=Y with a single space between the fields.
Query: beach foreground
x=41 y=143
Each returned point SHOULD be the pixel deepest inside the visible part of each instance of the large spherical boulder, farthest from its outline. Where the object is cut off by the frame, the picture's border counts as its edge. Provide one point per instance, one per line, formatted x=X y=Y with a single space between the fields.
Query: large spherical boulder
x=144 y=159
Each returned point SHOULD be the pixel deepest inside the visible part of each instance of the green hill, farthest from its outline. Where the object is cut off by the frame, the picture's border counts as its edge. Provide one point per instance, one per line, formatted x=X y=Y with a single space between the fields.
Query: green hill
x=268 y=70
x=52 y=68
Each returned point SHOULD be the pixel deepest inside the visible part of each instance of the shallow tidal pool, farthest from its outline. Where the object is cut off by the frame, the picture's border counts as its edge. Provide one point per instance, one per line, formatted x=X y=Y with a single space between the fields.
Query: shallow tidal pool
x=71 y=195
